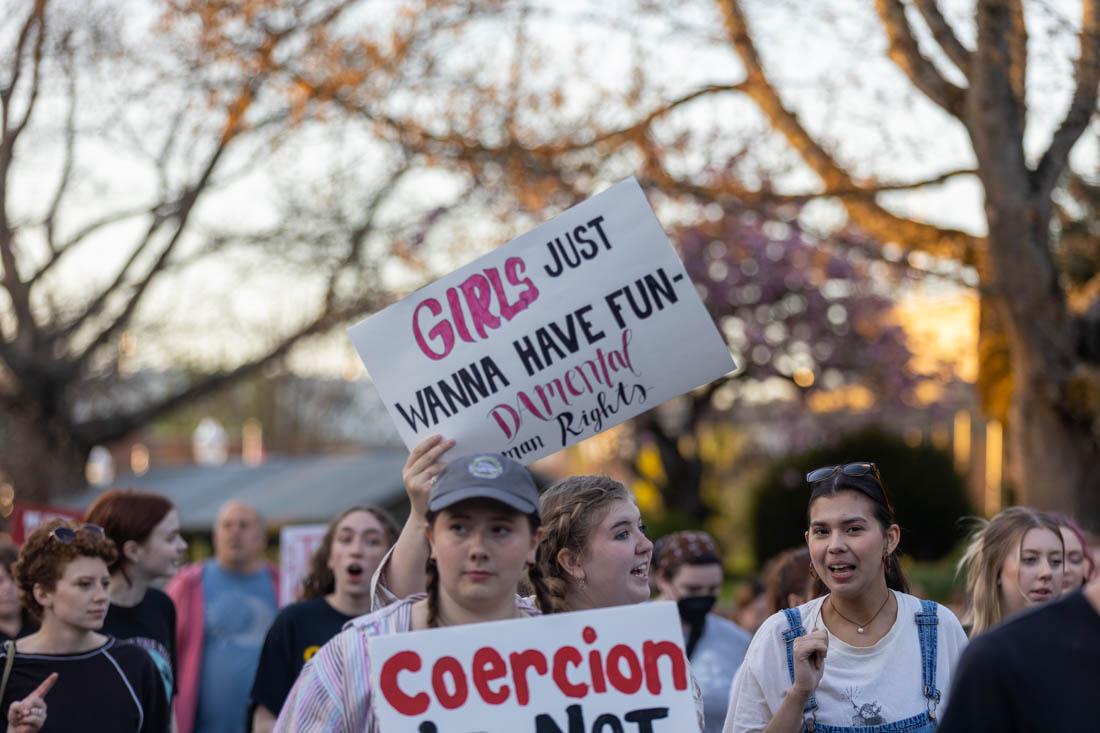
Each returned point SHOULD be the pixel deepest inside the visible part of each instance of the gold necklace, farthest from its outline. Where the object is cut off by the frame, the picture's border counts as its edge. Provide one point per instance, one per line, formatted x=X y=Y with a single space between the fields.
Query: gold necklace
x=861 y=628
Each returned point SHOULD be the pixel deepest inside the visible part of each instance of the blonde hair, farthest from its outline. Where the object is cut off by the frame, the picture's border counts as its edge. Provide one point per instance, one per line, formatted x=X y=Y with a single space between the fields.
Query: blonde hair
x=570 y=510
x=989 y=547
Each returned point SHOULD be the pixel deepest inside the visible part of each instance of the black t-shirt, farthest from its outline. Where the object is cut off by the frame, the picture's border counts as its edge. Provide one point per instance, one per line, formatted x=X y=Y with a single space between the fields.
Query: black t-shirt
x=28 y=626
x=113 y=689
x=297 y=633
x=151 y=625
x=1038 y=673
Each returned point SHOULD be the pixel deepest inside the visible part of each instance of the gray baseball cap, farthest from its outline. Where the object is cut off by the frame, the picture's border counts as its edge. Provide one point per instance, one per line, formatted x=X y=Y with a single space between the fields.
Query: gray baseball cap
x=485 y=476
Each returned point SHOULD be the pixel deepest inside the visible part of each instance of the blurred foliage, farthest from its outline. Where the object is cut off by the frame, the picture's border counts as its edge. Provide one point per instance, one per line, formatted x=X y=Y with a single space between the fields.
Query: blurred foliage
x=929 y=497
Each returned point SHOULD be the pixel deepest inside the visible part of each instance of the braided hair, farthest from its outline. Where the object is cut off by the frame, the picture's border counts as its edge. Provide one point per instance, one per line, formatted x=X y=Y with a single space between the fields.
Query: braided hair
x=570 y=509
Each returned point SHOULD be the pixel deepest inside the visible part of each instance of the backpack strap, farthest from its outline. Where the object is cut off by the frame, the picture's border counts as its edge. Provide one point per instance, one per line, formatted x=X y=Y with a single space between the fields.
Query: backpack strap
x=928 y=622
x=9 y=660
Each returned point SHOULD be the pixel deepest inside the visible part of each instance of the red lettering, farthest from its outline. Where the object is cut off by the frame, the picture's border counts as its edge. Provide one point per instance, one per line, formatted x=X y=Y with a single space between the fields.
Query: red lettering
x=630 y=682
x=489 y=666
x=453 y=668
x=500 y=413
x=652 y=651
x=440 y=332
x=514 y=268
x=478 y=297
x=387 y=681
x=564 y=657
x=458 y=316
x=521 y=662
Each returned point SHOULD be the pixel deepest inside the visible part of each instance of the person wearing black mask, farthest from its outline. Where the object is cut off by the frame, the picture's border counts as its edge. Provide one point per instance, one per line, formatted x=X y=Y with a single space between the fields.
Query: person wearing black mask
x=689 y=571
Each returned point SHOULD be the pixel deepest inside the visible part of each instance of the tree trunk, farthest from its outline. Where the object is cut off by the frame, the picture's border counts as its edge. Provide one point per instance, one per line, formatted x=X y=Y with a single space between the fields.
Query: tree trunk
x=1050 y=427
x=40 y=459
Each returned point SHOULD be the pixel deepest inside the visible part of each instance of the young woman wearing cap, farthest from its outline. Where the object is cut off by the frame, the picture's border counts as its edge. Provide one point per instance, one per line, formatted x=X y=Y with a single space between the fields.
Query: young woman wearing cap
x=868 y=656
x=336 y=591
x=592 y=548
x=482 y=518
x=101 y=685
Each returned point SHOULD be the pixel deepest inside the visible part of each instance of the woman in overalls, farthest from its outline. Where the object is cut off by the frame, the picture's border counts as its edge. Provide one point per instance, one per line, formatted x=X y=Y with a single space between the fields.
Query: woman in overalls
x=865 y=657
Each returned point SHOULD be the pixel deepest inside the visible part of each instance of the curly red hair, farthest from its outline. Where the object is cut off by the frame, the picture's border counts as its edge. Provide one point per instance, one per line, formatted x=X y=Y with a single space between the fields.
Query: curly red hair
x=43 y=558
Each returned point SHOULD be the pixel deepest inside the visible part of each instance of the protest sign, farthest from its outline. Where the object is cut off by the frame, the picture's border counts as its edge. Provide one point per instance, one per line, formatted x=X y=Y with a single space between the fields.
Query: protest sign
x=25 y=518
x=614 y=669
x=297 y=543
x=576 y=326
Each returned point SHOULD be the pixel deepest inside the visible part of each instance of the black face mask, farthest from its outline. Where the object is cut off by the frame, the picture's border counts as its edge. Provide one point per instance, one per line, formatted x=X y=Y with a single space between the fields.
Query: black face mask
x=694 y=609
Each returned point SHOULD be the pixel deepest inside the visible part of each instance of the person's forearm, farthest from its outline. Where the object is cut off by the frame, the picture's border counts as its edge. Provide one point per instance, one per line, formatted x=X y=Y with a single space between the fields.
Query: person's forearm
x=262 y=720
x=788 y=718
x=404 y=574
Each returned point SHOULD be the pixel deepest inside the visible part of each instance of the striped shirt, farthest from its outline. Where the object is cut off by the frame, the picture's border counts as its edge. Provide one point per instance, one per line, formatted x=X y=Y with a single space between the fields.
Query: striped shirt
x=333 y=692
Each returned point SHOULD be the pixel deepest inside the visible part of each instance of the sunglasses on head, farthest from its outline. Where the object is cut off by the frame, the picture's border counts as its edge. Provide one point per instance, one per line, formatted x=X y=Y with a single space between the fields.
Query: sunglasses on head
x=66 y=535
x=854 y=469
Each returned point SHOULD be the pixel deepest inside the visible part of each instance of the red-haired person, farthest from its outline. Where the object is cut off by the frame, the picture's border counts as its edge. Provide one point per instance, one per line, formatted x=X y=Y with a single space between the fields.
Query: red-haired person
x=336 y=591
x=1079 y=566
x=145 y=528
x=101 y=684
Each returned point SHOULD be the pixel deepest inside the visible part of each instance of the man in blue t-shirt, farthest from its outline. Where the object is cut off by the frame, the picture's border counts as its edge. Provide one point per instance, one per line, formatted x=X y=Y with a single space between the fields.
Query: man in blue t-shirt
x=234 y=595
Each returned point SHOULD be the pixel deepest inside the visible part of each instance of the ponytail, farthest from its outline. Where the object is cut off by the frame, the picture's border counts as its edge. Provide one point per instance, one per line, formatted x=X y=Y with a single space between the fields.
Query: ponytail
x=545 y=598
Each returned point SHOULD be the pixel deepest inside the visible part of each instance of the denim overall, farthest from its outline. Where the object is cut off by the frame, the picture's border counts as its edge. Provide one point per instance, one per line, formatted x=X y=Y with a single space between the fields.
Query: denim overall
x=927 y=626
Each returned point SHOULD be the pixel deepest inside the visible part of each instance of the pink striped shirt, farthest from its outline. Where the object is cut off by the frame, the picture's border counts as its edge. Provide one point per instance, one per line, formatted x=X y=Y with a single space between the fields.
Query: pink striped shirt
x=333 y=691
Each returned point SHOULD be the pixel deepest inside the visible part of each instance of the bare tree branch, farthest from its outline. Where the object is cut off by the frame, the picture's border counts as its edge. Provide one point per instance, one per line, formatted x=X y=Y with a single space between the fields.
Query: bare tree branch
x=67 y=167
x=945 y=35
x=88 y=230
x=865 y=213
x=905 y=53
x=1017 y=54
x=1081 y=108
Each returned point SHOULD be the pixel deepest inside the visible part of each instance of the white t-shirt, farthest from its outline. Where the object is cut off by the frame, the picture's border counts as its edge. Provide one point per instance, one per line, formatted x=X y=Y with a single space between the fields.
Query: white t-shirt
x=860 y=686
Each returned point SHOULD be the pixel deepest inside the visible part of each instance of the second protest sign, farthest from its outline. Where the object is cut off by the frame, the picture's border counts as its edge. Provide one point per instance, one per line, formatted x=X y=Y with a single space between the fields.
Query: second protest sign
x=620 y=669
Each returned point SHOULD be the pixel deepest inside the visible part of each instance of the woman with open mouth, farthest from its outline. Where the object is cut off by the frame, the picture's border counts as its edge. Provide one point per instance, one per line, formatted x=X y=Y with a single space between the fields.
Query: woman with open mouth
x=592 y=552
x=336 y=591
x=863 y=656
x=1014 y=561
x=482 y=520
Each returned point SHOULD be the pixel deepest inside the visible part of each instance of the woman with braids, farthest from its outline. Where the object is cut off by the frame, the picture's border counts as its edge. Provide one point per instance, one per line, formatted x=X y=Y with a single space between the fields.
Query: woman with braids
x=867 y=657
x=336 y=590
x=481 y=524
x=592 y=548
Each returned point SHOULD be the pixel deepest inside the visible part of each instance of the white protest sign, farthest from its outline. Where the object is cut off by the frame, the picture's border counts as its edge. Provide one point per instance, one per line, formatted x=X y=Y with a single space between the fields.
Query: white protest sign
x=297 y=543
x=614 y=669
x=576 y=326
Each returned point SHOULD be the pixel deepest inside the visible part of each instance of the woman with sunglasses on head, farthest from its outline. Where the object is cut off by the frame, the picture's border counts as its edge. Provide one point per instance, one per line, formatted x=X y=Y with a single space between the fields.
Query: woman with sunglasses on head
x=336 y=591
x=100 y=684
x=1014 y=561
x=867 y=657
x=145 y=528
x=482 y=519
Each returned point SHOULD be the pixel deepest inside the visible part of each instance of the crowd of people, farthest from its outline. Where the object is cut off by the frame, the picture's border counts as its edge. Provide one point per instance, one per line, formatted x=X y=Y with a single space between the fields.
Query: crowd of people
x=832 y=640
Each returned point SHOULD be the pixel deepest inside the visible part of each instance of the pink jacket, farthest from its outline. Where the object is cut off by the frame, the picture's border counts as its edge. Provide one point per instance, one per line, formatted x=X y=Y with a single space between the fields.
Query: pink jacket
x=185 y=589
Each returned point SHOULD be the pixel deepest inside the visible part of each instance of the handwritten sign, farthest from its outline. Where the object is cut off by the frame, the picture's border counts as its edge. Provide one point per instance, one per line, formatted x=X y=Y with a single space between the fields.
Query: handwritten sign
x=297 y=543
x=620 y=669
x=576 y=326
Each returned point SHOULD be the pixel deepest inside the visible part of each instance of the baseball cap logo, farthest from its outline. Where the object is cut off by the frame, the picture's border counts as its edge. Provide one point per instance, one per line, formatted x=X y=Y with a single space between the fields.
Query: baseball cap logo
x=487 y=467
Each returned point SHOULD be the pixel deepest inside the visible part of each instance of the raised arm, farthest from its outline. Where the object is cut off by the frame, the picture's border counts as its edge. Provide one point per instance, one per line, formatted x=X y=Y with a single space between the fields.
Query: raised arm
x=402 y=572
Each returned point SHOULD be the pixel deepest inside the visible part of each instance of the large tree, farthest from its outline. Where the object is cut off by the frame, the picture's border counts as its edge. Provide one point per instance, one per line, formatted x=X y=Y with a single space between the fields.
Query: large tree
x=152 y=193
x=1038 y=326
